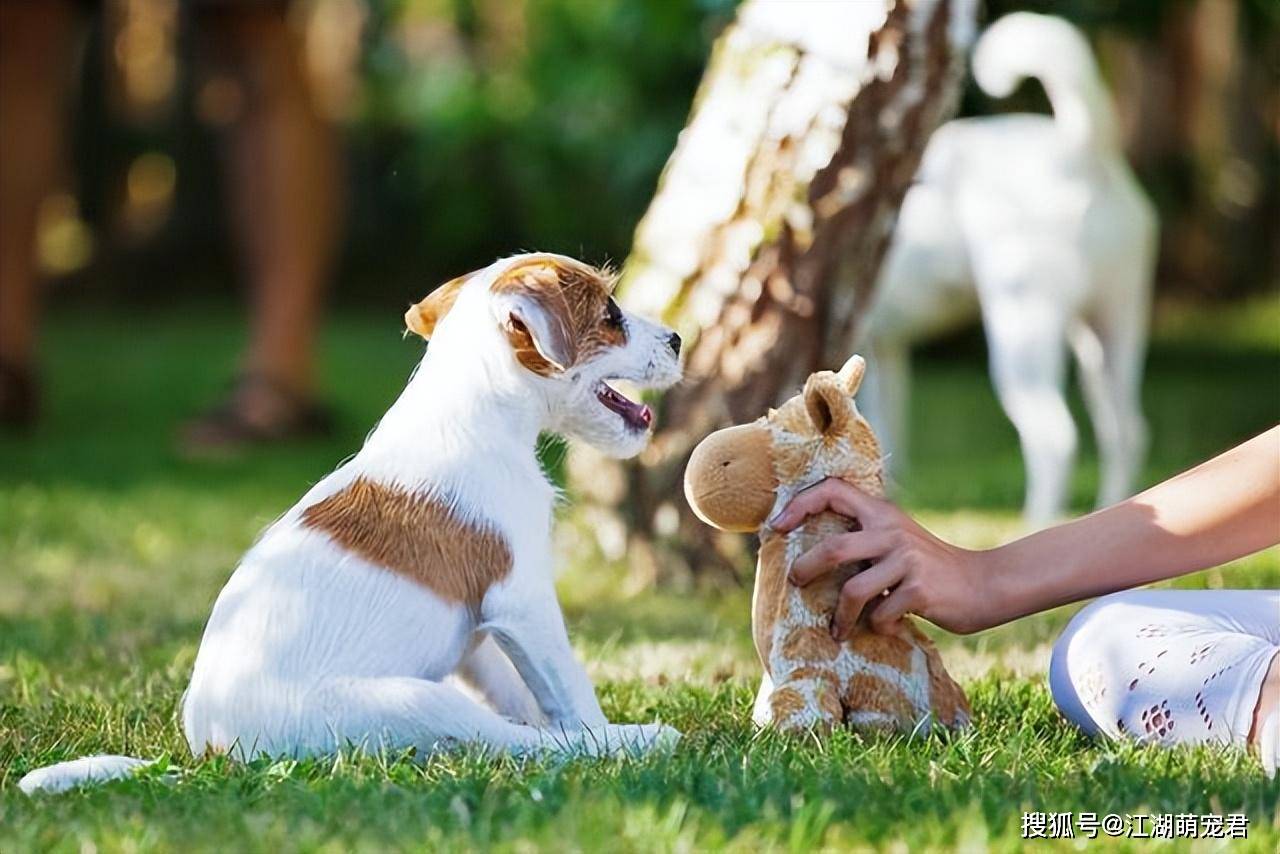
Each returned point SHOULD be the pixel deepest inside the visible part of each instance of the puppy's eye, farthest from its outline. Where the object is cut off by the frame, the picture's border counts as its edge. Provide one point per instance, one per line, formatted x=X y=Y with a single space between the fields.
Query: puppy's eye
x=612 y=315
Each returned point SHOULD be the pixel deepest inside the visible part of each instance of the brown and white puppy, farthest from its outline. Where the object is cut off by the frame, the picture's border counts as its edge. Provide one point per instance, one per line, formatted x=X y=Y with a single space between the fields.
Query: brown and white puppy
x=408 y=600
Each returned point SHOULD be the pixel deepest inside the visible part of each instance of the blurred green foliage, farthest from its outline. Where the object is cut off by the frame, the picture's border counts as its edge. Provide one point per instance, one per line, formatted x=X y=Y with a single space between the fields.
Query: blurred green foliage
x=483 y=127
x=478 y=129
x=560 y=145
x=550 y=136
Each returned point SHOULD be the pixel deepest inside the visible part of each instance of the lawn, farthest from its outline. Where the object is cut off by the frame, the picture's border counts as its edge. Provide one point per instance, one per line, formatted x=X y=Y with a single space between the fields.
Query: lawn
x=112 y=548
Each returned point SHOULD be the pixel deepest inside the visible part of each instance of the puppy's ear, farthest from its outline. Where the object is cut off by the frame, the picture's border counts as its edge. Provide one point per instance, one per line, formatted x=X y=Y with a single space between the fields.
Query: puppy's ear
x=422 y=318
x=529 y=303
x=537 y=321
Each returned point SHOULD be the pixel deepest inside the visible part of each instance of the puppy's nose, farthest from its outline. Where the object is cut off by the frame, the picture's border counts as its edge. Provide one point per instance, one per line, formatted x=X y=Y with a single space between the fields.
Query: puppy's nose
x=674 y=343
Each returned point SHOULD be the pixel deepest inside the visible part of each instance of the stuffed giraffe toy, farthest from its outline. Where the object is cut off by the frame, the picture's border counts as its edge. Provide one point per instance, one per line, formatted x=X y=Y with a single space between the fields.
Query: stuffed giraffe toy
x=737 y=479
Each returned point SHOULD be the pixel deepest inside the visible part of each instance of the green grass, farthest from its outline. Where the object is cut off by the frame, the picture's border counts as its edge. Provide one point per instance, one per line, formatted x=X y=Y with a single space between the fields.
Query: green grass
x=112 y=548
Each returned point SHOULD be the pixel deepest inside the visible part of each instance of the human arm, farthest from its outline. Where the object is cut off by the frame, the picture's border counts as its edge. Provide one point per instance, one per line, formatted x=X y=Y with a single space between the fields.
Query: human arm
x=1218 y=511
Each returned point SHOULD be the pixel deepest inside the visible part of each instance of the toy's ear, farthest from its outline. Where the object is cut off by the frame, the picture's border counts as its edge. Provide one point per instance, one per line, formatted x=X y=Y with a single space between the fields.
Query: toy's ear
x=730 y=482
x=850 y=376
x=830 y=407
x=423 y=317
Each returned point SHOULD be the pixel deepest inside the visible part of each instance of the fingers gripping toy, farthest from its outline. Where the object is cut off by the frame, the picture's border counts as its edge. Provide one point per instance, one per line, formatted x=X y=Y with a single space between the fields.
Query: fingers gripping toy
x=738 y=478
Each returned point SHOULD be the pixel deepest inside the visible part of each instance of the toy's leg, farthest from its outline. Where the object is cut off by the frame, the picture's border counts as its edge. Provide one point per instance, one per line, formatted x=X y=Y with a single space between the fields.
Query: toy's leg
x=809 y=702
x=762 y=713
x=949 y=705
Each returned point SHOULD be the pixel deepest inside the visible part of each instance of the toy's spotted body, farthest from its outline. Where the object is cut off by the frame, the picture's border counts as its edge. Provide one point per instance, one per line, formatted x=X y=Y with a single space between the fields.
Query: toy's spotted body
x=869 y=680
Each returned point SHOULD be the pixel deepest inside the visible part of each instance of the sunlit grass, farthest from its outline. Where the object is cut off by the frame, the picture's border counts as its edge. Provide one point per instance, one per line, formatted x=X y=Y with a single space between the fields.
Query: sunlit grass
x=112 y=548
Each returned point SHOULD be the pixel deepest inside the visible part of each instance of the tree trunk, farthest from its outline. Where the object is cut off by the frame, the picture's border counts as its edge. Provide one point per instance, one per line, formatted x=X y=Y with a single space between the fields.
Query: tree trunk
x=805 y=133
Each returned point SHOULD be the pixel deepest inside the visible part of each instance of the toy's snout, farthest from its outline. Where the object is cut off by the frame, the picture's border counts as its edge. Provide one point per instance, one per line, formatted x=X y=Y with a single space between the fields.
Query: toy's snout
x=730 y=482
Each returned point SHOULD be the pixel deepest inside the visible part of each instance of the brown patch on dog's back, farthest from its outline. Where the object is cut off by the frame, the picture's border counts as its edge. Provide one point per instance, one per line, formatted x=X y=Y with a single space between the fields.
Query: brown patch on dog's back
x=821 y=596
x=415 y=536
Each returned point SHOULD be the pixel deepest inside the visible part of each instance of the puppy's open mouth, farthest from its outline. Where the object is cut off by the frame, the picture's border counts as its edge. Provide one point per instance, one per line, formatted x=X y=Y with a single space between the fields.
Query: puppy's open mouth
x=637 y=415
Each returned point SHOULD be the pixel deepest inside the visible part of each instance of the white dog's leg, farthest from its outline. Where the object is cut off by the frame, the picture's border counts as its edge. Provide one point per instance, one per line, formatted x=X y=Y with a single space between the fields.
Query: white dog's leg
x=1099 y=398
x=489 y=672
x=1122 y=338
x=1125 y=377
x=885 y=399
x=1111 y=393
x=1027 y=343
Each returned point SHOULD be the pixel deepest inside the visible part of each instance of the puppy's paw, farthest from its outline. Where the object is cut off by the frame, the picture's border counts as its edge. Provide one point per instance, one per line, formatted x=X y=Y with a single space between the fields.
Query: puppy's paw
x=662 y=738
x=641 y=738
x=614 y=740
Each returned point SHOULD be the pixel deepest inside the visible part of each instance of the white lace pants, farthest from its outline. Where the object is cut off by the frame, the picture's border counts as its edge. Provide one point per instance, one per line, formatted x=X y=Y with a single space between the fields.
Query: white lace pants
x=1170 y=666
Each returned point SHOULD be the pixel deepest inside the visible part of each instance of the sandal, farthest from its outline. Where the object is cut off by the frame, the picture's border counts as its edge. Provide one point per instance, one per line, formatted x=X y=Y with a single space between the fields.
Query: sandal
x=256 y=412
x=19 y=398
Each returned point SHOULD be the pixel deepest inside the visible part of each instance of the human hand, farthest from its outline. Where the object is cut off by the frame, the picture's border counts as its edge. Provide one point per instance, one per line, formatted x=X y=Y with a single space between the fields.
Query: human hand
x=921 y=574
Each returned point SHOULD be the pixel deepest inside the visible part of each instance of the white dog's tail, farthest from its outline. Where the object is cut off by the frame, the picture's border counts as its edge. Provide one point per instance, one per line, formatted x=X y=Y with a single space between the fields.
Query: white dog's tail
x=1024 y=44
x=80 y=772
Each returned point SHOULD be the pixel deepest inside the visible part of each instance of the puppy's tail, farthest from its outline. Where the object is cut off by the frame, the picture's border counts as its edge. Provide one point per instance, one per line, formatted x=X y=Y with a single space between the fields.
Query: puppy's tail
x=89 y=770
x=1024 y=44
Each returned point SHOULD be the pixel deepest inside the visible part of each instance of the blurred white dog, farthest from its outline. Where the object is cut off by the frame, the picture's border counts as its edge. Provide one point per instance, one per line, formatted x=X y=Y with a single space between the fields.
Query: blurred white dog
x=1037 y=223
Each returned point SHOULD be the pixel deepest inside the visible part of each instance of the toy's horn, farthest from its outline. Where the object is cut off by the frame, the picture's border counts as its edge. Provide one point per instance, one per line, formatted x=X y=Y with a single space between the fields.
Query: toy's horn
x=850 y=376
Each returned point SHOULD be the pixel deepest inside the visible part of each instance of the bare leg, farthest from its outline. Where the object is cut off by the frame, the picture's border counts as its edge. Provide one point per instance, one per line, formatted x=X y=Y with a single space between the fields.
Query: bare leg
x=283 y=184
x=1263 y=713
x=35 y=39
x=1174 y=667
